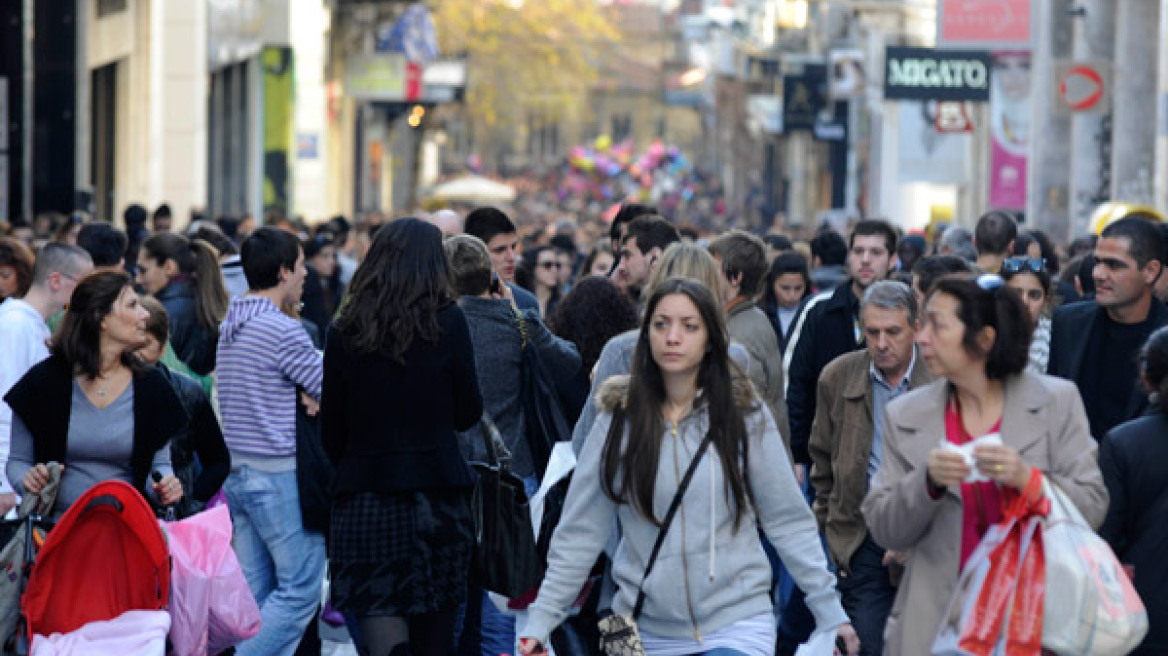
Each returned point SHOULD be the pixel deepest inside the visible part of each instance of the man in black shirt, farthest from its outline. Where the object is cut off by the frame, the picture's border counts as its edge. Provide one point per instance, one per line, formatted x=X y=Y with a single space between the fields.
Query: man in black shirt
x=1095 y=343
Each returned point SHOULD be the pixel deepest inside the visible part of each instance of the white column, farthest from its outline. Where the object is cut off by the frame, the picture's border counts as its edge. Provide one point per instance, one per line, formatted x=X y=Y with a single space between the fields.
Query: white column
x=1049 y=160
x=1133 y=153
x=1090 y=131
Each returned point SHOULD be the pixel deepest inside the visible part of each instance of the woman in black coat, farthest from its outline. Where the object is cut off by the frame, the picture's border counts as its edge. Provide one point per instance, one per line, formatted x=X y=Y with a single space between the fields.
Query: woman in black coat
x=1132 y=458
x=399 y=380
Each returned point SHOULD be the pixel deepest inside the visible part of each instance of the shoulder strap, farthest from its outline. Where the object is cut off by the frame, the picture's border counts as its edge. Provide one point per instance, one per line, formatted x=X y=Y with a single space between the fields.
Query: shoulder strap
x=693 y=465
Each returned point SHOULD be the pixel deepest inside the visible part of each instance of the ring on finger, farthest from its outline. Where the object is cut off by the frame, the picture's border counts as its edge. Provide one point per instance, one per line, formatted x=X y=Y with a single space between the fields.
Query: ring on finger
x=998 y=468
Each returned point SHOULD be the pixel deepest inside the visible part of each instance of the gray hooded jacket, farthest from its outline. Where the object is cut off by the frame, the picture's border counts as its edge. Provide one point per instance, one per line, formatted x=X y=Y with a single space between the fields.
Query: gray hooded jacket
x=719 y=571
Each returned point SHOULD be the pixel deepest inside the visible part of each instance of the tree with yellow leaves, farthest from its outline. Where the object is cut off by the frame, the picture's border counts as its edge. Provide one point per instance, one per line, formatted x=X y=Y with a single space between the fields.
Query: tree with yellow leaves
x=524 y=57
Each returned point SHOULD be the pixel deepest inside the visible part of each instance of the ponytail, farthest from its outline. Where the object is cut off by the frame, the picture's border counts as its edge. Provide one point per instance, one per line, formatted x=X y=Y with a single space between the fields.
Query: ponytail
x=210 y=293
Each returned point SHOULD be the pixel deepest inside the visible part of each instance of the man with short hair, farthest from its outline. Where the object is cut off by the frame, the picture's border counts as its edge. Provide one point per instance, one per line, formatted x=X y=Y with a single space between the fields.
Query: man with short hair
x=830 y=327
x=646 y=239
x=993 y=237
x=616 y=234
x=162 y=221
x=928 y=270
x=104 y=243
x=497 y=231
x=847 y=445
x=743 y=260
x=829 y=254
x=24 y=333
x=958 y=241
x=1095 y=343
x=264 y=356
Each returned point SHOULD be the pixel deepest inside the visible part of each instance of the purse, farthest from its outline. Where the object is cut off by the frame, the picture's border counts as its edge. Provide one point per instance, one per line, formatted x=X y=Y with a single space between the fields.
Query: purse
x=544 y=422
x=618 y=633
x=505 y=561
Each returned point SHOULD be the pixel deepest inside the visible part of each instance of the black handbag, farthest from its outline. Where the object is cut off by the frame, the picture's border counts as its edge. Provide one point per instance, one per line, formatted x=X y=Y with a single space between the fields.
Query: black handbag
x=314 y=473
x=505 y=559
x=544 y=422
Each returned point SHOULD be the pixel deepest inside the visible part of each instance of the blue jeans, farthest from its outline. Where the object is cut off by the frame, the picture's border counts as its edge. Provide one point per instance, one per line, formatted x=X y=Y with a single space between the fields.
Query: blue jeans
x=867 y=596
x=283 y=563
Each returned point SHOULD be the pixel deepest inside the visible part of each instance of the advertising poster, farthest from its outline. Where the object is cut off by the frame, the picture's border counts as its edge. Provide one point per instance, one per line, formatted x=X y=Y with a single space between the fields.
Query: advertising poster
x=1009 y=129
x=927 y=154
x=279 y=106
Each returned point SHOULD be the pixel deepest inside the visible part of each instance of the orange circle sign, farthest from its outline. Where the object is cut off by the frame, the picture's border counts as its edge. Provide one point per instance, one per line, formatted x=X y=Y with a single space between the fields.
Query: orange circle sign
x=1081 y=87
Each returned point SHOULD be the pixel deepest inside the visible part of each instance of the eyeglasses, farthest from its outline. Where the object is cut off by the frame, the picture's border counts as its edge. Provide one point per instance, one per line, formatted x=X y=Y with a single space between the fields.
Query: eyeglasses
x=1018 y=264
x=550 y=265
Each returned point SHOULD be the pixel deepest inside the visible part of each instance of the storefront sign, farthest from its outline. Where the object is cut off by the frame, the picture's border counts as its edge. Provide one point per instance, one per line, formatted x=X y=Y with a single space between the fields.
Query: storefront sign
x=984 y=24
x=376 y=77
x=803 y=98
x=927 y=74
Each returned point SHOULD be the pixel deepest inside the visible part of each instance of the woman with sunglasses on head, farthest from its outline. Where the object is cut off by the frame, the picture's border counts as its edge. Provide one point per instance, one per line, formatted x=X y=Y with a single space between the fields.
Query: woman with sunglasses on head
x=975 y=337
x=1028 y=276
x=539 y=274
x=686 y=431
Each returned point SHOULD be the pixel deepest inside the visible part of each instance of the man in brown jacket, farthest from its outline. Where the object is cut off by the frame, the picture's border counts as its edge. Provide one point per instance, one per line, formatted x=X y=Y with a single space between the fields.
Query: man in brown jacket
x=846 y=446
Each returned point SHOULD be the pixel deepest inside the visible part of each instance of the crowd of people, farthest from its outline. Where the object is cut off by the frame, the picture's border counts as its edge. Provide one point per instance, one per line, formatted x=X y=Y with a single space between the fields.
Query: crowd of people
x=763 y=426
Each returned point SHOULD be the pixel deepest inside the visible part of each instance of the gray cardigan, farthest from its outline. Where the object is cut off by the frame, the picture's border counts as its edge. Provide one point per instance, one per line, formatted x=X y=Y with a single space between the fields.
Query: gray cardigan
x=495 y=335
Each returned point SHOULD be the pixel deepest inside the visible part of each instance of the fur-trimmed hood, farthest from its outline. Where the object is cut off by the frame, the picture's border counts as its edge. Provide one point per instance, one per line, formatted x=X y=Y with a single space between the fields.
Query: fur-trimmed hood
x=615 y=391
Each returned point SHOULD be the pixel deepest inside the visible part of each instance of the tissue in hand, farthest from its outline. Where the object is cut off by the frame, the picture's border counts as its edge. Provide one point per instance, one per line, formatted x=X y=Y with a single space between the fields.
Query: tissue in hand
x=966 y=451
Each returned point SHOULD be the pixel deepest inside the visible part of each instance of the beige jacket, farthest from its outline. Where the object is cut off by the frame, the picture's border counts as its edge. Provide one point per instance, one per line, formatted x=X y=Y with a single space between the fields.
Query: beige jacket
x=841 y=446
x=748 y=325
x=1043 y=419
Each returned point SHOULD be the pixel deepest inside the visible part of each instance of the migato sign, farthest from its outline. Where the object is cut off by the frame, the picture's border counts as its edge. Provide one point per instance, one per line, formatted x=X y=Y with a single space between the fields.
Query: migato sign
x=927 y=74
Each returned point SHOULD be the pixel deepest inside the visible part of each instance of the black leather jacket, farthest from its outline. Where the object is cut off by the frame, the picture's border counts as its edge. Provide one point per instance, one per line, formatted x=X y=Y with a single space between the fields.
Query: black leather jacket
x=198 y=453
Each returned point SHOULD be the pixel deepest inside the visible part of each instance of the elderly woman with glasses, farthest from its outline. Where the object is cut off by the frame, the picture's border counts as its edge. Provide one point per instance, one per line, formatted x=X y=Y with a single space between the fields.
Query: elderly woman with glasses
x=975 y=337
x=1028 y=276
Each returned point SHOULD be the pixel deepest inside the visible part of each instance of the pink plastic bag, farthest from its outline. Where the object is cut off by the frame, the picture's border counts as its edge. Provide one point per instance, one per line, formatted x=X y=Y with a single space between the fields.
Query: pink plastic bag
x=211 y=606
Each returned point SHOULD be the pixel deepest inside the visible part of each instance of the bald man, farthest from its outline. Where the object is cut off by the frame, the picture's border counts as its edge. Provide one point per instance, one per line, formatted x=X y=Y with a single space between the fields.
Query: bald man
x=448 y=221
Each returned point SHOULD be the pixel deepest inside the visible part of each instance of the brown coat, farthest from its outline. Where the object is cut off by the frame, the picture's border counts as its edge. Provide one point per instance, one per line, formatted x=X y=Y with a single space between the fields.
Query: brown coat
x=841 y=446
x=748 y=325
x=1043 y=419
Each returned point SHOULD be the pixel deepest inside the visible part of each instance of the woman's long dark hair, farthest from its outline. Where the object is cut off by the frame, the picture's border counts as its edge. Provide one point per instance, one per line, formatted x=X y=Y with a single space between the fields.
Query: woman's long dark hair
x=78 y=339
x=1154 y=367
x=200 y=260
x=397 y=291
x=635 y=460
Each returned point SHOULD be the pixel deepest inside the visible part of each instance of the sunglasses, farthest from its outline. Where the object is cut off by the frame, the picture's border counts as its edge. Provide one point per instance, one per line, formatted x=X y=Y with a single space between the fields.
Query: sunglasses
x=549 y=265
x=1019 y=264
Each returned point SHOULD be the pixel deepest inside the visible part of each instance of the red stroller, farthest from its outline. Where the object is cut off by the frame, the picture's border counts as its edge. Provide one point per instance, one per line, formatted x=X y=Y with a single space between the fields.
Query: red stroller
x=107 y=555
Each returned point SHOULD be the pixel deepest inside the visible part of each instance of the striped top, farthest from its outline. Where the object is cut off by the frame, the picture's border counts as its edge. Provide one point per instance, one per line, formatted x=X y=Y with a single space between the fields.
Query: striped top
x=263 y=356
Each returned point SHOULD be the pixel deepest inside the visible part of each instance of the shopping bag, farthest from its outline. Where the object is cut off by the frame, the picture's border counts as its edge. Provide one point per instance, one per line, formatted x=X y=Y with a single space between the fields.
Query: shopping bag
x=1092 y=607
x=997 y=607
x=211 y=606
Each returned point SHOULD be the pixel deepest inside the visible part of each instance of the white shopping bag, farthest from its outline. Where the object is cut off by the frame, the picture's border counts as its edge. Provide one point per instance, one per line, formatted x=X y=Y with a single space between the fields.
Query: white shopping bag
x=819 y=644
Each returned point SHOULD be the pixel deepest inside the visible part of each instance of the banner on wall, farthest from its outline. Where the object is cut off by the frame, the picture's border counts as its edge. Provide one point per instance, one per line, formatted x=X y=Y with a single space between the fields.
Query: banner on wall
x=279 y=140
x=925 y=153
x=1009 y=129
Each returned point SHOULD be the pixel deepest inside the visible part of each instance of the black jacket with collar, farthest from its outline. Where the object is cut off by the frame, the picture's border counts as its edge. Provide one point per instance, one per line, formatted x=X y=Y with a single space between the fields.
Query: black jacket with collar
x=192 y=342
x=198 y=453
x=826 y=329
x=43 y=399
x=1132 y=457
x=1072 y=329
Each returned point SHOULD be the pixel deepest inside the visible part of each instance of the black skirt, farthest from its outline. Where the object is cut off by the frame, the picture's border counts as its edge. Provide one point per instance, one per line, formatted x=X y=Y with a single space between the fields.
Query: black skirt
x=400 y=554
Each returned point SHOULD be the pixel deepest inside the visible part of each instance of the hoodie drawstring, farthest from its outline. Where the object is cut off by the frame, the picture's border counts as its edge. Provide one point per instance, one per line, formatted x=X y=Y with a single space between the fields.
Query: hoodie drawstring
x=713 y=515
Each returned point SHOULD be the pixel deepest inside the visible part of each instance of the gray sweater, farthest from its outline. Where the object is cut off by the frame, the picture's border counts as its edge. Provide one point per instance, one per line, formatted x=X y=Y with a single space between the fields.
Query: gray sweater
x=498 y=358
x=722 y=571
x=99 y=445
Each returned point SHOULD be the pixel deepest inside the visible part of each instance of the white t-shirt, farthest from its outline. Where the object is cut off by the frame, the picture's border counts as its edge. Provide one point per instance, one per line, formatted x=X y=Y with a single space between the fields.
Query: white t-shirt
x=24 y=337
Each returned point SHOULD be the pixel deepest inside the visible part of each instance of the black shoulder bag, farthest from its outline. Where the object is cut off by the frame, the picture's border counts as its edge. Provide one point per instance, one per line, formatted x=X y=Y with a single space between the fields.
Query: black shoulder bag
x=618 y=633
x=544 y=423
x=505 y=559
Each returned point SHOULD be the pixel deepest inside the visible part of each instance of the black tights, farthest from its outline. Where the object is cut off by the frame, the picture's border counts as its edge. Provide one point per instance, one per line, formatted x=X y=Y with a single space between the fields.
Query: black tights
x=429 y=634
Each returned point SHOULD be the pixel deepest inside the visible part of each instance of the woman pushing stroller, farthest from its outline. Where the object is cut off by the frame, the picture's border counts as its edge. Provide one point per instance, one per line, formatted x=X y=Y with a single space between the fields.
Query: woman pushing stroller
x=93 y=405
